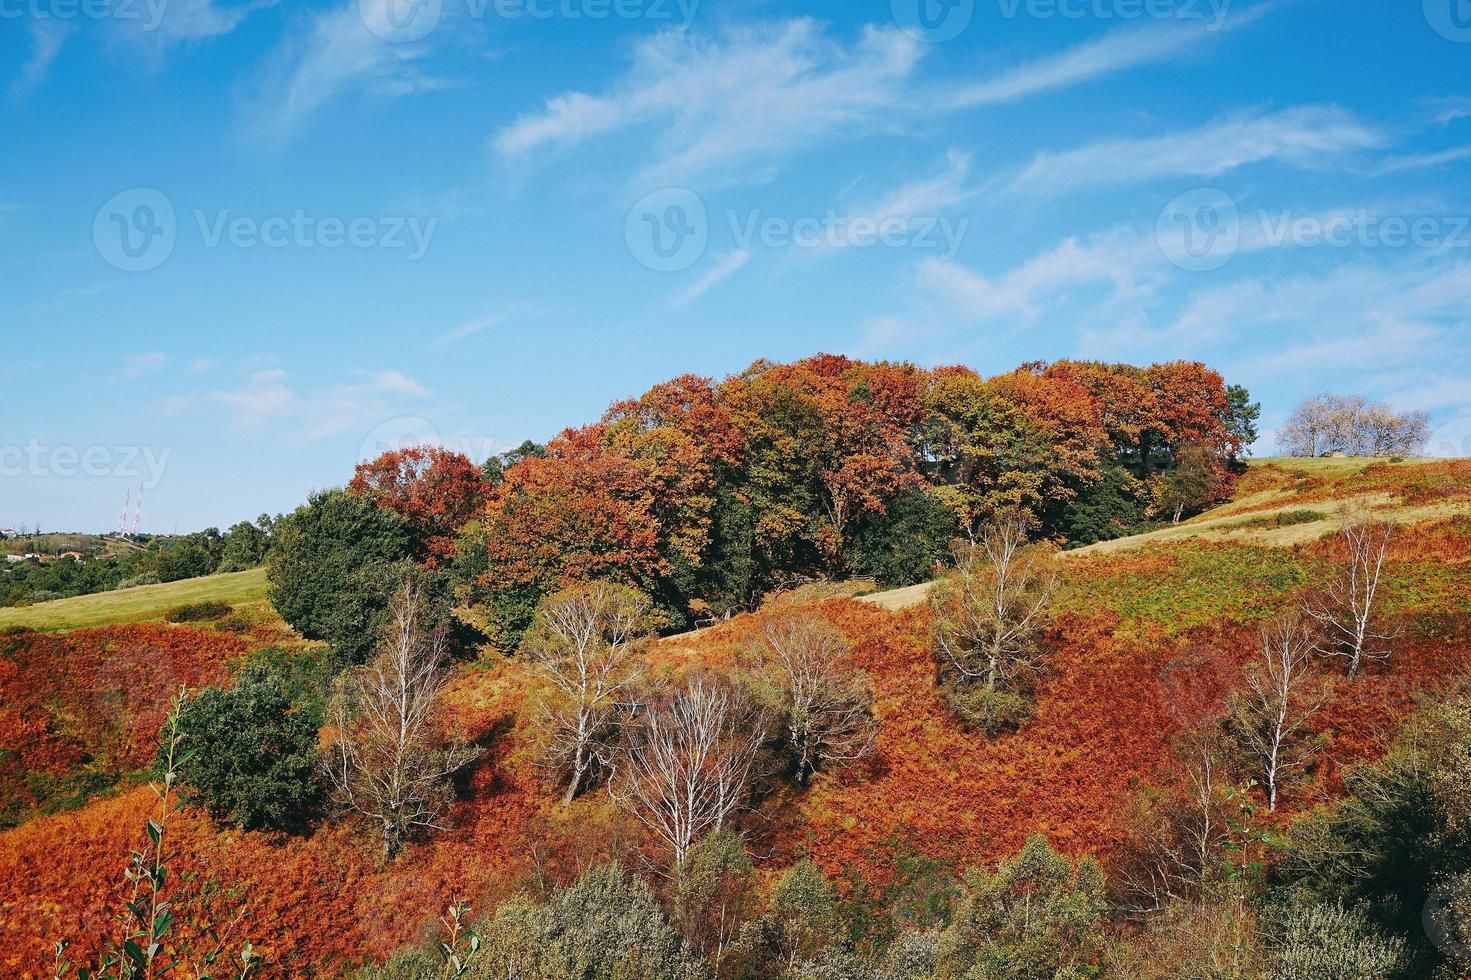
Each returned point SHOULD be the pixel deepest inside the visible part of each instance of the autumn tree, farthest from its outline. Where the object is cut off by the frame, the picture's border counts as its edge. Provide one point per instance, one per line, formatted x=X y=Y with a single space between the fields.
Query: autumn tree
x=579 y=513
x=389 y=759
x=687 y=765
x=1021 y=440
x=1270 y=717
x=989 y=614
x=1348 y=604
x=587 y=641
x=435 y=491
x=826 y=440
x=825 y=707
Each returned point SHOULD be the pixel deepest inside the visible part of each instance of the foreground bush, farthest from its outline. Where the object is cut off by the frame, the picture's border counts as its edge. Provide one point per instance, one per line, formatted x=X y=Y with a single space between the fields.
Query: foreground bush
x=254 y=762
x=606 y=926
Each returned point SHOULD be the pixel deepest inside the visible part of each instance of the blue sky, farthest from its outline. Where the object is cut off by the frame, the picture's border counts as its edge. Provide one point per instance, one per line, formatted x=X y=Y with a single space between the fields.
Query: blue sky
x=245 y=243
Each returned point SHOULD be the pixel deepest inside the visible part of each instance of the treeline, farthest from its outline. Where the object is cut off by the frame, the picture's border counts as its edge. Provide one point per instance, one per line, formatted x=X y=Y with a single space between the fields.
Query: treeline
x=706 y=496
x=160 y=559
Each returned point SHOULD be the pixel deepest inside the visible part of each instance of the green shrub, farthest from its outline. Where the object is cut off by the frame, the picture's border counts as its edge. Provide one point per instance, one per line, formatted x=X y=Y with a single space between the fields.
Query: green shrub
x=605 y=926
x=331 y=569
x=1035 y=918
x=199 y=611
x=1330 y=942
x=253 y=759
x=990 y=710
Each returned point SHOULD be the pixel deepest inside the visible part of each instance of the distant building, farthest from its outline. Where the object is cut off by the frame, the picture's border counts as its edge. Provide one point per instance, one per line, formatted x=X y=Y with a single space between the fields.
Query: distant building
x=7 y=532
x=28 y=554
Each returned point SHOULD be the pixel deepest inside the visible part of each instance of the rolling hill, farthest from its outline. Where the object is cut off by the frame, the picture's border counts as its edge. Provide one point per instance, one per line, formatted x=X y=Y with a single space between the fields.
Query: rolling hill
x=1152 y=632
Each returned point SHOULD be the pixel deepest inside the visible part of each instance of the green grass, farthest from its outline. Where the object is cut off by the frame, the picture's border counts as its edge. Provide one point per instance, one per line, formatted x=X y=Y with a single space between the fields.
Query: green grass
x=245 y=591
x=1207 y=583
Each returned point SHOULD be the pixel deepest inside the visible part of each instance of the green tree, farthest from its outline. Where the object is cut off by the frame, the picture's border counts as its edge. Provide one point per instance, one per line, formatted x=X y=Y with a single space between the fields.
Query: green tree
x=1034 y=918
x=605 y=926
x=1242 y=415
x=331 y=569
x=245 y=547
x=254 y=762
x=799 y=926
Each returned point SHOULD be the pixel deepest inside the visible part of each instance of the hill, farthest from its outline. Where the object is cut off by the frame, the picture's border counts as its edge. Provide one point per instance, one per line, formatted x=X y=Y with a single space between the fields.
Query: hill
x=245 y=591
x=1153 y=631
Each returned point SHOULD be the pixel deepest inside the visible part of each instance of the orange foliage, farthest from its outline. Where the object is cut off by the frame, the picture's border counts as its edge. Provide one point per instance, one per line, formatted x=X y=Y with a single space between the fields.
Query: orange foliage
x=94 y=697
x=435 y=490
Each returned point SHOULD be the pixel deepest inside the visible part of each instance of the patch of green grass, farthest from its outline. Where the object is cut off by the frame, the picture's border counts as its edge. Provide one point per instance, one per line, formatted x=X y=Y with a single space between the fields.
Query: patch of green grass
x=245 y=591
x=1207 y=583
x=1284 y=518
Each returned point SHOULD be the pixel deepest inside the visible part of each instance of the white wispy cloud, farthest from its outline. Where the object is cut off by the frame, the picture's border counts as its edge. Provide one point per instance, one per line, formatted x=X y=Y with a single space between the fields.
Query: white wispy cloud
x=1116 y=51
x=269 y=399
x=394 y=381
x=1308 y=137
x=264 y=398
x=739 y=103
x=140 y=365
x=336 y=52
x=723 y=268
x=466 y=330
x=1119 y=259
x=744 y=99
x=948 y=187
x=47 y=36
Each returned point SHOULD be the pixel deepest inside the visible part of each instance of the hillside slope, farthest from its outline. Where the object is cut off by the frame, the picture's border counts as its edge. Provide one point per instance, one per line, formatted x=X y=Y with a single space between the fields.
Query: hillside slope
x=1152 y=633
x=245 y=591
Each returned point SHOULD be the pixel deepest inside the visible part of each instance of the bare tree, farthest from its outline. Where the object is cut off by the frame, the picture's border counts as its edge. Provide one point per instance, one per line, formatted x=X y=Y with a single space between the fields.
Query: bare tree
x=389 y=760
x=989 y=613
x=1270 y=717
x=1354 y=426
x=1347 y=604
x=688 y=765
x=828 y=710
x=587 y=641
x=1177 y=837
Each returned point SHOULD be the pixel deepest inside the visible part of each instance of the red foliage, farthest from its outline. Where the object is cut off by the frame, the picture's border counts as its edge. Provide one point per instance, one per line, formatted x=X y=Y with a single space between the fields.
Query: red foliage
x=435 y=490
x=94 y=698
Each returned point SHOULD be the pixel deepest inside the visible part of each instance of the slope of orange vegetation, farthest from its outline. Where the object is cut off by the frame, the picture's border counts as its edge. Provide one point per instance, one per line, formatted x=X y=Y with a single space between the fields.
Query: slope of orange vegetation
x=1129 y=668
x=93 y=700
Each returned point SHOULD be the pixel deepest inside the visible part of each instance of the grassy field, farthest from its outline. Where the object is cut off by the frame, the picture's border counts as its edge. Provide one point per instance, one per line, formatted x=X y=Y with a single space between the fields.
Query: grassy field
x=246 y=591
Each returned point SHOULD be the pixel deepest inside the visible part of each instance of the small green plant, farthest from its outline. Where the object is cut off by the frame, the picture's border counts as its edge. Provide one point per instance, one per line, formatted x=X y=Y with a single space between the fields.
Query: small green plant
x=141 y=950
